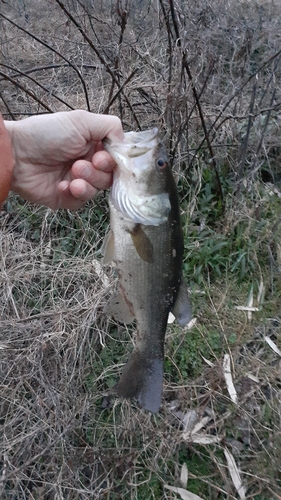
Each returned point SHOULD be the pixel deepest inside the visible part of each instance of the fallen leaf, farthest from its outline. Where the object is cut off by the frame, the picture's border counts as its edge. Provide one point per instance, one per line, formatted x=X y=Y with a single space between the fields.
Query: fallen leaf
x=228 y=378
x=210 y=363
x=250 y=302
x=252 y=377
x=184 y=494
x=191 y=323
x=235 y=474
x=99 y=270
x=184 y=475
x=171 y=318
x=272 y=345
x=247 y=308
x=189 y=420
x=197 y=427
x=260 y=297
x=204 y=439
x=192 y=434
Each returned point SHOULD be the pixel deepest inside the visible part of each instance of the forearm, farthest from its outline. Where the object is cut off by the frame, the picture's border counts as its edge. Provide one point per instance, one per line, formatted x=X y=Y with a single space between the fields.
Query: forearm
x=6 y=159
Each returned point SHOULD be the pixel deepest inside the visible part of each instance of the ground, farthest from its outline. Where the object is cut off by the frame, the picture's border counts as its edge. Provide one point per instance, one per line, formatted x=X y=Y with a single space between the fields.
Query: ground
x=209 y=78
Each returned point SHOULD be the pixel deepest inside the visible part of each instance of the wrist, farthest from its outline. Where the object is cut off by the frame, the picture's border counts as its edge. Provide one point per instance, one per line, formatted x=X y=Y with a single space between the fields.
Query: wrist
x=6 y=158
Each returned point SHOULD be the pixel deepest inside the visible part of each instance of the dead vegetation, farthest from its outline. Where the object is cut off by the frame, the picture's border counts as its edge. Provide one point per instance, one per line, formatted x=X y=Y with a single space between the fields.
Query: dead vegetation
x=207 y=74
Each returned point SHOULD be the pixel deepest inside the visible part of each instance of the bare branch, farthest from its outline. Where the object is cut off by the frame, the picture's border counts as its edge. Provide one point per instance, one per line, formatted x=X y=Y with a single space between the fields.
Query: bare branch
x=27 y=91
x=73 y=66
x=23 y=73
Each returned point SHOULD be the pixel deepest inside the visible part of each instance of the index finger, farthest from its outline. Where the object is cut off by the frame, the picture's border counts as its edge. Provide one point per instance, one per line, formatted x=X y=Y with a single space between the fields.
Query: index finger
x=98 y=127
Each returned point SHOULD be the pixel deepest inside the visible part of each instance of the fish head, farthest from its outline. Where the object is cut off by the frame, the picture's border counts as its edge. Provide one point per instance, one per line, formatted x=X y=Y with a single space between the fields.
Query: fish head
x=140 y=184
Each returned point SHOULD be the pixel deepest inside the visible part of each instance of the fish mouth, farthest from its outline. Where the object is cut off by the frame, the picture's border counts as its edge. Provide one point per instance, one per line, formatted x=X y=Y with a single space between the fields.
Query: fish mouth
x=142 y=137
x=134 y=145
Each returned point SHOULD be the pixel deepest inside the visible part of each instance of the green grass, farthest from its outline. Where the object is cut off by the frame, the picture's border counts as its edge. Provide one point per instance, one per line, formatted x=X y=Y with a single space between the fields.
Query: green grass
x=185 y=351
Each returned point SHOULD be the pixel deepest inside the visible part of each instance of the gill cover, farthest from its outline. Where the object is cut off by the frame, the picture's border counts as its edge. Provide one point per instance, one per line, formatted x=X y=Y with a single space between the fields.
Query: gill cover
x=136 y=190
x=148 y=210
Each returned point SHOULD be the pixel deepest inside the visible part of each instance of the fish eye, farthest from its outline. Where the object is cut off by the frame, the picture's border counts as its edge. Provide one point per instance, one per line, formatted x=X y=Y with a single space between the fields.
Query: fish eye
x=161 y=163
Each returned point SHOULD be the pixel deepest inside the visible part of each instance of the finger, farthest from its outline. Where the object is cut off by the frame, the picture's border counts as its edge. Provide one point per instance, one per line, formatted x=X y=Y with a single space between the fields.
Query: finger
x=85 y=170
x=66 y=198
x=72 y=195
x=103 y=161
x=82 y=190
x=96 y=127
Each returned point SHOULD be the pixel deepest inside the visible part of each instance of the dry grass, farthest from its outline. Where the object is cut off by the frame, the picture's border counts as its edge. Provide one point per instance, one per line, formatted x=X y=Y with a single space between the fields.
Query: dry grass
x=64 y=435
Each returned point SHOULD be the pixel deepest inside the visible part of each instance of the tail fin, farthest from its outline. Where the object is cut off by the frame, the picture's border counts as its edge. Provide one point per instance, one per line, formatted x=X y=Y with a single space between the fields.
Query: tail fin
x=142 y=378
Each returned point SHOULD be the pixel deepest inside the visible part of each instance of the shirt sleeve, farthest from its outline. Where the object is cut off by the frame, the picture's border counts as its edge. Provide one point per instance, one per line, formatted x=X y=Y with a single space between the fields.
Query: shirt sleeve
x=6 y=162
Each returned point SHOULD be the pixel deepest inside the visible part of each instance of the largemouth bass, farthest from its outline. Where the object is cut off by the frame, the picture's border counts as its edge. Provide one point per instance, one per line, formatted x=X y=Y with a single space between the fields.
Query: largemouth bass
x=146 y=242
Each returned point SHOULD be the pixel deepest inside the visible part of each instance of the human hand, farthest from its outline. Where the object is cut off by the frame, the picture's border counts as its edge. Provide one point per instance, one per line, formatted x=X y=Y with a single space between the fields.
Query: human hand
x=59 y=158
x=7 y=162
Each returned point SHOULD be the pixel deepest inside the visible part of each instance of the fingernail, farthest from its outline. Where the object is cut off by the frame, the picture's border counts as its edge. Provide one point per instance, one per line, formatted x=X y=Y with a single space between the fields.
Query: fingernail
x=86 y=172
x=83 y=191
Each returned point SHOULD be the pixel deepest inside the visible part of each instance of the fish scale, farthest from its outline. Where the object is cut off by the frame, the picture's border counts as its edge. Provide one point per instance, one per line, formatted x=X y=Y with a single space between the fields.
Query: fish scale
x=145 y=282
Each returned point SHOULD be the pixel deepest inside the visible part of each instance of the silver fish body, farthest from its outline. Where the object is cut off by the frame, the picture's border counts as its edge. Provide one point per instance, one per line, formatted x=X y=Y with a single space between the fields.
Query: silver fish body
x=146 y=242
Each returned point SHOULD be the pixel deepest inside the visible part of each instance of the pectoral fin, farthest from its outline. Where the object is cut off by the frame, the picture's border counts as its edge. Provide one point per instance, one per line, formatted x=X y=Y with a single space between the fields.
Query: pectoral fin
x=142 y=244
x=107 y=248
x=119 y=309
x=182 y=308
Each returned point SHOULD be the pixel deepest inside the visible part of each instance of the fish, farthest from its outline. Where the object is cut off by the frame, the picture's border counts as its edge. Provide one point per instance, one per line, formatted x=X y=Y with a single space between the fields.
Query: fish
x=146 y=243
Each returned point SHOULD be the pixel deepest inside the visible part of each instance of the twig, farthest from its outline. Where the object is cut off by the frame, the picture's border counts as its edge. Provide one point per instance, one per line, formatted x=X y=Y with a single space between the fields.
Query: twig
x=185 y=66
x=237 y=92
x=185 y=124
x=244 y=144
x=98 y=23
x=170 y=37
x=123 y=16
x=254 y=115
x=98 y=54
x=10 y=112
x=148 y=99
x=22 y=73
x=106 y=110
x=265 y=125
x=73 y=66
x=28 y=92
x=53 y=66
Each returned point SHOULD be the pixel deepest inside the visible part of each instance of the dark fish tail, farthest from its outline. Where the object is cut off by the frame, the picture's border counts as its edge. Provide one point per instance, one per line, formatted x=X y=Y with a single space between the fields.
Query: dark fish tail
x=142 y=378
